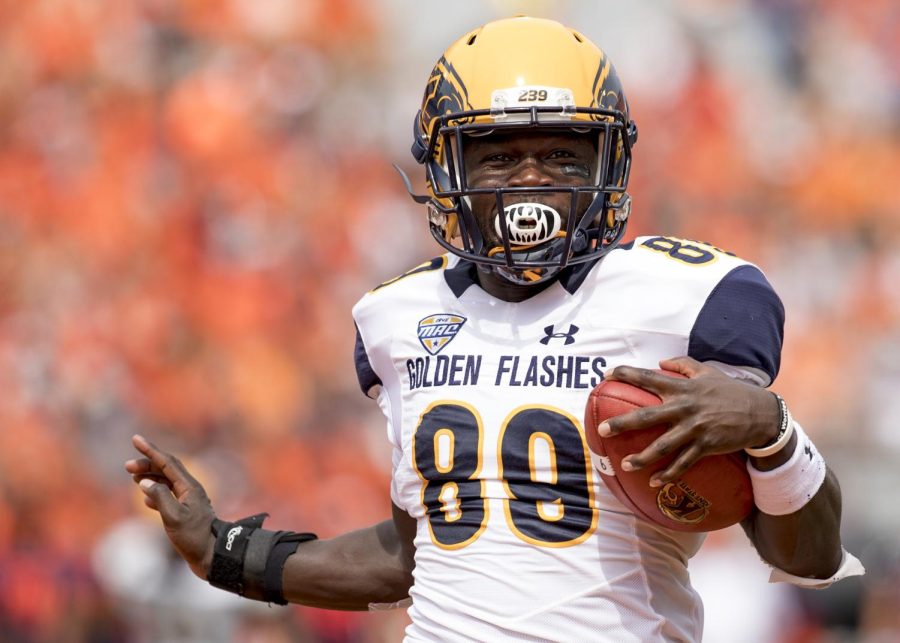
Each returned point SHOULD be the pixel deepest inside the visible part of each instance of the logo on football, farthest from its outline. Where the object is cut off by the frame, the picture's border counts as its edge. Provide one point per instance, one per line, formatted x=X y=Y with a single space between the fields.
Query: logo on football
x=681 y=503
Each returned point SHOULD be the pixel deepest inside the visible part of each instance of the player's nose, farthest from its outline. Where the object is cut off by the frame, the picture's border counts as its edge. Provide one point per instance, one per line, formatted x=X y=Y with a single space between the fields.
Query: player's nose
x=530 y=173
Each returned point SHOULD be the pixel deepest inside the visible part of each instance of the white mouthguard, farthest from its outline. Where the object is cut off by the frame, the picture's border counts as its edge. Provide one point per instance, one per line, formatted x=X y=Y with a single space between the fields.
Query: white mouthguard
x=529 y=224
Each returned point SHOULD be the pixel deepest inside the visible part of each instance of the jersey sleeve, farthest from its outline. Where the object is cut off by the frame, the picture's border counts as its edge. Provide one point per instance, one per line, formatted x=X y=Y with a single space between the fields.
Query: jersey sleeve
x=741 y=324
x=366 y=375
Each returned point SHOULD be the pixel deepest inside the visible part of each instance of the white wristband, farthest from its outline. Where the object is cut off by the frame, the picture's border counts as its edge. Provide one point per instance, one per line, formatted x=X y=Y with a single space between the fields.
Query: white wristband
x=789 y=487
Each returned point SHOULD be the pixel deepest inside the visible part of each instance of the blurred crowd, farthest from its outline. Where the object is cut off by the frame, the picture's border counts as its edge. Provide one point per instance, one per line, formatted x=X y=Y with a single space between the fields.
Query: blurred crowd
x=193 y=194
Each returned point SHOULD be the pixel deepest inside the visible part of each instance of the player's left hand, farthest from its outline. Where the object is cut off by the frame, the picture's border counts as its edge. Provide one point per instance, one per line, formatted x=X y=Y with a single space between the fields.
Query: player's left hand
x=181 y=501
x=708 y=413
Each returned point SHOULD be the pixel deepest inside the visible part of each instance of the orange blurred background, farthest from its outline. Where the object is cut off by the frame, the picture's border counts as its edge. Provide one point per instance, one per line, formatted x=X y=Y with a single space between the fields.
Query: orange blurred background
x=193 y=194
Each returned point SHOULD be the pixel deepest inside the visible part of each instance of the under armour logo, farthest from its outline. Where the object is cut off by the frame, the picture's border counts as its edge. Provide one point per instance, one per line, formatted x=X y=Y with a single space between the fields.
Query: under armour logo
x=569 y=337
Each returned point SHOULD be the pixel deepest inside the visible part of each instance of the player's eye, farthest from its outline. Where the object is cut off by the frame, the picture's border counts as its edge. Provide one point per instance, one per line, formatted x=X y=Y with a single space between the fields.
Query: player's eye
x=561 y=154
x=497 y=159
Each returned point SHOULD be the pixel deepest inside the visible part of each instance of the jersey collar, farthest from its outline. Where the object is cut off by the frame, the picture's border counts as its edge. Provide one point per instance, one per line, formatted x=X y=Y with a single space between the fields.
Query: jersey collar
x=464 y=274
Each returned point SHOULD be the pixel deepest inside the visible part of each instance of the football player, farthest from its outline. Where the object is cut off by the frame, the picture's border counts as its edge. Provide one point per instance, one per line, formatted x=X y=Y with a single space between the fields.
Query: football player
x=482 y=360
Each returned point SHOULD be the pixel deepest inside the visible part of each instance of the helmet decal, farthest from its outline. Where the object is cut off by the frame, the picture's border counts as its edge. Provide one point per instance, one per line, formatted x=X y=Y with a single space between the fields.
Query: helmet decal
x=445 y=93
x=602 y=74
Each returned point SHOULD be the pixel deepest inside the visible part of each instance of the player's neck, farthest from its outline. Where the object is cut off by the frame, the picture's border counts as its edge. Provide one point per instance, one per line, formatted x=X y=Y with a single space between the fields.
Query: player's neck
x=500 y=288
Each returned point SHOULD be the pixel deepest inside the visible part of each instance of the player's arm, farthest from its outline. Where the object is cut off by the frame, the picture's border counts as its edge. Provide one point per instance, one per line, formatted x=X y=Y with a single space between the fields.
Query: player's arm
x=372 y=565
x=805 y=542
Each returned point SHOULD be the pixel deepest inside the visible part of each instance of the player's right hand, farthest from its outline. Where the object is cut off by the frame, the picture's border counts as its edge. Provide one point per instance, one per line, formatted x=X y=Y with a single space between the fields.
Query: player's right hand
x=181 y=501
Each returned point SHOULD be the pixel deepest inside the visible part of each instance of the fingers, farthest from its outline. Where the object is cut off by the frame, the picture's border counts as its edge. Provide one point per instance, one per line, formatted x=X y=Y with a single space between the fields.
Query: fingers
x=687 y=366
x=139 y=466
x=666 y=444
x=645 y=378
x=657 y=382
x=643 y=418
x=153 y=478
x=159 y=497
x=672 y=391
x=159 y=463
x=142 y=469
x=662 y=447
x=167 y=485
x=148 y=501
x=678 y=468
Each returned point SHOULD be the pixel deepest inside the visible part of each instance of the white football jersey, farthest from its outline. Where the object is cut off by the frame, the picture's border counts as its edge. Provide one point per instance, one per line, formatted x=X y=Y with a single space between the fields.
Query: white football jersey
x=518 y=537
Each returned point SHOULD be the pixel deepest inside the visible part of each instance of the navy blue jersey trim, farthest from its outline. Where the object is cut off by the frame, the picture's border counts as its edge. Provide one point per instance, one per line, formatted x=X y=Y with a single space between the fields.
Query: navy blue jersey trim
x=364 y=372
x=741 y=323
x=461 y=276
x=572 y=277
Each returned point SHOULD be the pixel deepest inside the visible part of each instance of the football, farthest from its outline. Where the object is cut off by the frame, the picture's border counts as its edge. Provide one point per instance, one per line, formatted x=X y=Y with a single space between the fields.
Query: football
x=714 y=493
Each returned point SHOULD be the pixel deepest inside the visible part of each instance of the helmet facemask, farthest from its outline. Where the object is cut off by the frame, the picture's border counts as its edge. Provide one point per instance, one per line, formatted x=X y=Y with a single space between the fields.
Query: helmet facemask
x=528 y=241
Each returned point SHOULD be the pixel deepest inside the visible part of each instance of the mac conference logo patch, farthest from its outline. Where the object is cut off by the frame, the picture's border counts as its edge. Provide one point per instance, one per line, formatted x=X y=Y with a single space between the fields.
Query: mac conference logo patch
x=436 y=331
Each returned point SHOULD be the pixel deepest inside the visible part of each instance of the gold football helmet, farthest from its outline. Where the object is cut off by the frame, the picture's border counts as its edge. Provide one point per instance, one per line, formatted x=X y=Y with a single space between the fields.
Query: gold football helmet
x=524 y=74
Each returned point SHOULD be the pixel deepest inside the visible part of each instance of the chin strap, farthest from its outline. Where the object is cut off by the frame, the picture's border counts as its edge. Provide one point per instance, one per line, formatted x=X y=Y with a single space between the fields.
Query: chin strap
x=546 y=252
x=523 y=252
